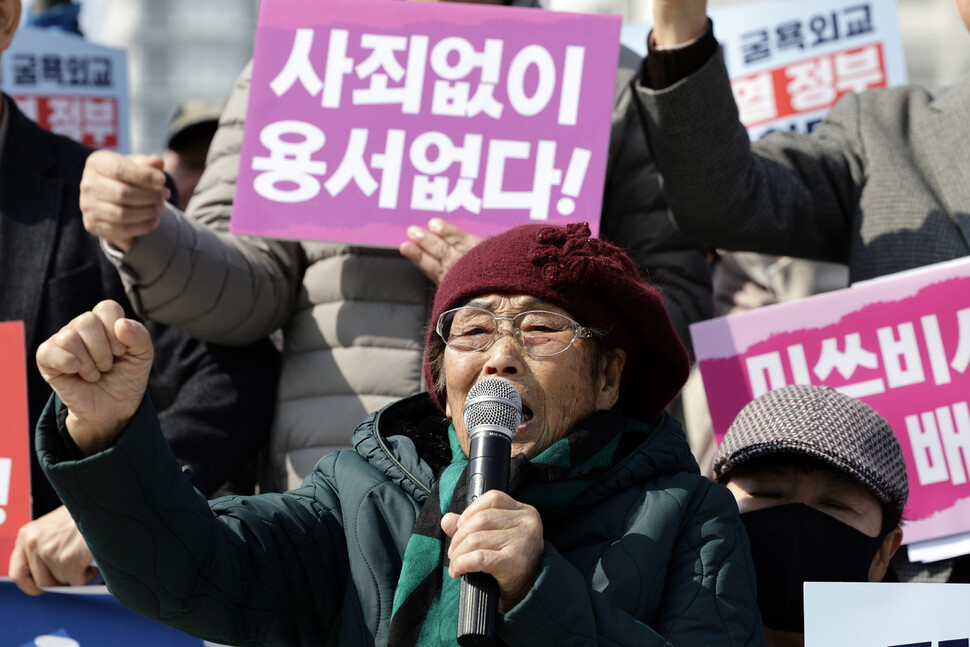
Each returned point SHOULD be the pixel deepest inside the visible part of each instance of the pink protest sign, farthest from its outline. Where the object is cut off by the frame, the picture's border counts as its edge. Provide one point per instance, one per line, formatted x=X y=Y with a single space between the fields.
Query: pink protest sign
x=368 y=116
x=901 y=344
x=14 y=439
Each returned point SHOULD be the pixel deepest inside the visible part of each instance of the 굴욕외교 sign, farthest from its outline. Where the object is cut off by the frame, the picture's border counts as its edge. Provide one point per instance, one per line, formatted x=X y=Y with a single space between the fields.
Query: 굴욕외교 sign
x=365 y=117
x=69 y=86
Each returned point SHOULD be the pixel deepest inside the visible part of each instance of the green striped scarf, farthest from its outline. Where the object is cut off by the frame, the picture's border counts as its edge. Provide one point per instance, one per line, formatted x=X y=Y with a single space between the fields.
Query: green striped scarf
x=425 y=608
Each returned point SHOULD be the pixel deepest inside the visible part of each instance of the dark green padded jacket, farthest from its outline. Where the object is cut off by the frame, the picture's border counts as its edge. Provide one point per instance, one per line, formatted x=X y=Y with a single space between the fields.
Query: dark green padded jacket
x=654 y=554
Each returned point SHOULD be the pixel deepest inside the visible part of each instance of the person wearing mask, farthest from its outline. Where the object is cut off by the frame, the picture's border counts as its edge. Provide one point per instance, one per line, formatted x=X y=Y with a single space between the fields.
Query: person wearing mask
x=352 y=316
x=879 y=186
x=820 y=481
x=608 y=534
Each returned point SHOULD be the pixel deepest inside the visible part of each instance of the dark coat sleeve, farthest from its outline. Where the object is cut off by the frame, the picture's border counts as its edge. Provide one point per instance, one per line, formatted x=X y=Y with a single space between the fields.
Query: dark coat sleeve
x=215 y=404
x=636 y=218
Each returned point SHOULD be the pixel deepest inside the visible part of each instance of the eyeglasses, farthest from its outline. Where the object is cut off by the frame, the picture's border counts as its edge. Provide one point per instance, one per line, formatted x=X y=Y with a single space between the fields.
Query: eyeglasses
x=538 y=332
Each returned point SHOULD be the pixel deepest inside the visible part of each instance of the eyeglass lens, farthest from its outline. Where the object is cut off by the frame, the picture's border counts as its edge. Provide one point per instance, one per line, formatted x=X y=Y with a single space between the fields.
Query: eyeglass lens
x=538 y=332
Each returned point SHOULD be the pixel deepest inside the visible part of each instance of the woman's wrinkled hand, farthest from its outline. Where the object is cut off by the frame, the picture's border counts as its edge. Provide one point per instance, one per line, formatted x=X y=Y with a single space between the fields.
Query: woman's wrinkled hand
x=500 y=536
x=435 y=249
x=50 y=551
x=99 y=365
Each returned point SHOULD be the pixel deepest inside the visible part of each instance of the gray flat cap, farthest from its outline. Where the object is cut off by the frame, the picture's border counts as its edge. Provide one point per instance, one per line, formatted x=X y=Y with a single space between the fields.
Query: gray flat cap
x=825 y=424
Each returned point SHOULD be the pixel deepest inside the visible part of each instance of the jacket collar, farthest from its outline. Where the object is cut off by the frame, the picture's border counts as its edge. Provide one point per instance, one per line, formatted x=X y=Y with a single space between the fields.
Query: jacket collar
x=407 y=440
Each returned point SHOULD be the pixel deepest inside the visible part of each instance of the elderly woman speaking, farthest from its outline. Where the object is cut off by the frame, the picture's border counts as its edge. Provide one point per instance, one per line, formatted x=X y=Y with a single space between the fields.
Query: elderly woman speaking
x=607 y=534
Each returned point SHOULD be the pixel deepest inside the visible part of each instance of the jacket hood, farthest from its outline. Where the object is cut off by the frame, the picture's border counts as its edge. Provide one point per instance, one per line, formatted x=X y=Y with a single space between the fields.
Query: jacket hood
x=408 y=441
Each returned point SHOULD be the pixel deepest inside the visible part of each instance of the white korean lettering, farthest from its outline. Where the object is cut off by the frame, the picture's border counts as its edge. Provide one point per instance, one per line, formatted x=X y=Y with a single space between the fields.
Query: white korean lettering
x=955 y=434
x=466 y=59
x=431 y=193
x=572 y=80
x=900 y=357
x=65 y=117
x=298 y=67
x=289 y=162
x=352 y=167
x=499 y=152
x=845 y=362
x=854 y=356
x=29 y=106
x=389 y=162
x=453 y=97
x=765 y=373
x=573 y=182
x=528 y=56
x=99 y=120
x=812 y=84
x=799 y=364
x=961 y=358
x=924 y=439
x=6 y=468
x=383 y=58
x=940 y=440
x=935 y=350
x=452 y=100
x=755 y=96
x=338 y=66
x=856 y=71
x=544 y=177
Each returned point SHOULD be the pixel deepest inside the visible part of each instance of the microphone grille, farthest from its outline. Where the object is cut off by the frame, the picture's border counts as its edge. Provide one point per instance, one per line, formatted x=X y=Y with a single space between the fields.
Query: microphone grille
x=493 y=401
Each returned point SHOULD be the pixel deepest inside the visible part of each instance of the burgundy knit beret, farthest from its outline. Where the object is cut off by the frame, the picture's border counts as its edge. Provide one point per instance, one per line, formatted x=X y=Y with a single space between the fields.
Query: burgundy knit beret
x=592 y=280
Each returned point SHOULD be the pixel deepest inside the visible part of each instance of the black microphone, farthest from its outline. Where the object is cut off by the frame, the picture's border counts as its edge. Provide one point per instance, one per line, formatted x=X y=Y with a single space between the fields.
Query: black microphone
x=493 y=411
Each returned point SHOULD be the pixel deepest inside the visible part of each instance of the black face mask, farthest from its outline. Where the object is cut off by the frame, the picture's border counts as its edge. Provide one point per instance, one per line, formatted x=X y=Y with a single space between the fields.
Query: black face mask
x=793 y=544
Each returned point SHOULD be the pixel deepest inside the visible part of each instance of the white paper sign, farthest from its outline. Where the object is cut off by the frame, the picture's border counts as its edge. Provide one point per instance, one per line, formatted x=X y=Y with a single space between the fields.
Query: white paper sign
x=69 y=86
x=864 y=614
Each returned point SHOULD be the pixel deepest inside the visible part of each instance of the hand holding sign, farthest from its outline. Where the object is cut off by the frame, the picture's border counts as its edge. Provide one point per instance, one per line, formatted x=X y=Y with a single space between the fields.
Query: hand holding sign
x=50 y=551
x=435 y=249
x=122 y=196
x=98 y=364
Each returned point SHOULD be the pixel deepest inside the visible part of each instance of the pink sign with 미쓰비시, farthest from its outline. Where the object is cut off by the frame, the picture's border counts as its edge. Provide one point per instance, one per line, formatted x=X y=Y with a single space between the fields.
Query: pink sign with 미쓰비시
x=901 y=344
x=366 y=117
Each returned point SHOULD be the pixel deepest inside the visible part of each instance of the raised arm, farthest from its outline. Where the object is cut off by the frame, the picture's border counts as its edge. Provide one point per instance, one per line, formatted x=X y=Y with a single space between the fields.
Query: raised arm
x=636 y=218
x=233 y=573
x=676 y=22
x=98 y=365
x=187 y=269
x=787 y=194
